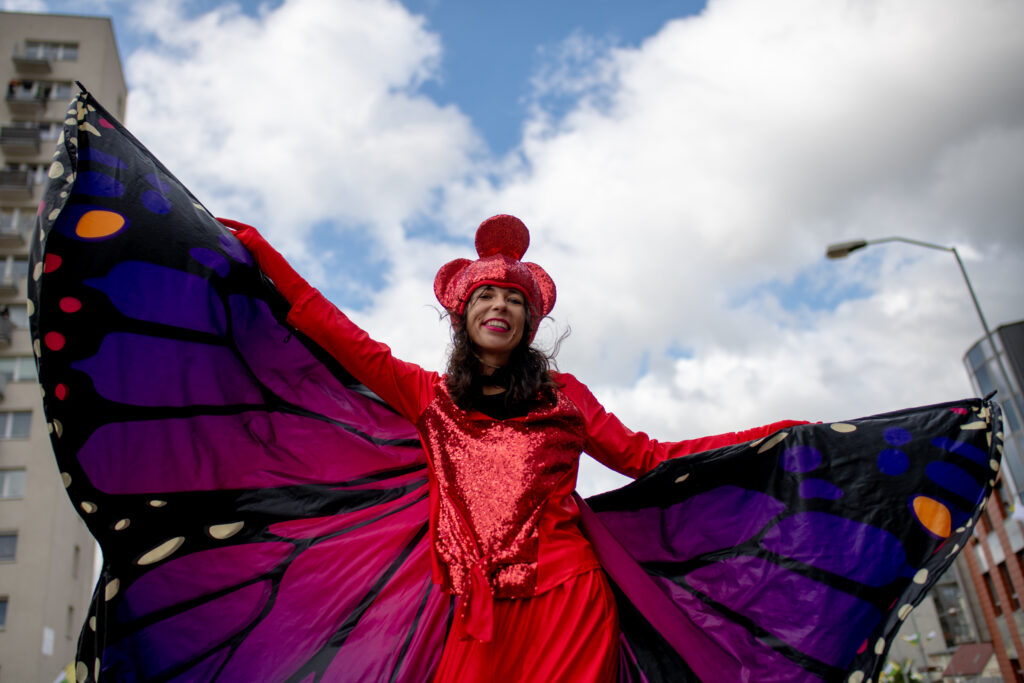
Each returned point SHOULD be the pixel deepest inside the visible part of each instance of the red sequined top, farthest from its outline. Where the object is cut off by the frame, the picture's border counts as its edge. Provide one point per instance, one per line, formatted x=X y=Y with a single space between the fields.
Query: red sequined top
x=503 y=520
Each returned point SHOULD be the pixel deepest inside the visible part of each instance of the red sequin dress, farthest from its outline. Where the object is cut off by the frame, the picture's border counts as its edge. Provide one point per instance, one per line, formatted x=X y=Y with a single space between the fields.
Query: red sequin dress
x=504 y=524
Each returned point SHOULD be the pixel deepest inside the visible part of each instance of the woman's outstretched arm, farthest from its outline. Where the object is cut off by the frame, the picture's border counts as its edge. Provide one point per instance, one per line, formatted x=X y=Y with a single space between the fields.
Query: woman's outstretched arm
x=406 y=387
x=634 y=453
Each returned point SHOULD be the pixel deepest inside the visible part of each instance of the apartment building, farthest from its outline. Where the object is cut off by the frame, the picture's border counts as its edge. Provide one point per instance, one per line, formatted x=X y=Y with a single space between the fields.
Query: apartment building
x=970 y=628
x=995 y=555
x=46 y=552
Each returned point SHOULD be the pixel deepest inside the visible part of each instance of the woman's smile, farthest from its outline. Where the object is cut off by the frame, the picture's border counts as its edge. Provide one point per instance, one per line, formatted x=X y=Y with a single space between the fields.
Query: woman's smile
x=497 y=325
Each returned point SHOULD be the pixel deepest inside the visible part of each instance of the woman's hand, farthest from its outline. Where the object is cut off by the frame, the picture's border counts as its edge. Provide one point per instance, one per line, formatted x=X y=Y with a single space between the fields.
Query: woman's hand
x=269 y=260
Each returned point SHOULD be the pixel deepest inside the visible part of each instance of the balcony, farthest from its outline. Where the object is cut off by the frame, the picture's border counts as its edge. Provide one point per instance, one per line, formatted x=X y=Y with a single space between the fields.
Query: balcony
x=16 y=184
x=14 y=227
x=8 y=286
x=33 y=61
x=26 y=100
x=6 y=333
x=20 y=139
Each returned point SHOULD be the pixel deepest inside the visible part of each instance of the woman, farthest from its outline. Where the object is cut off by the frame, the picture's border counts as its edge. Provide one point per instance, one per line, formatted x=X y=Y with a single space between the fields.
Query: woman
x=191 y=433
x=503 y=434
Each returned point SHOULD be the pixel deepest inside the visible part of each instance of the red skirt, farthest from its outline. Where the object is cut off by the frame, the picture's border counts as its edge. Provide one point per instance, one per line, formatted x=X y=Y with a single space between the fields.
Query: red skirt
x=570 y=633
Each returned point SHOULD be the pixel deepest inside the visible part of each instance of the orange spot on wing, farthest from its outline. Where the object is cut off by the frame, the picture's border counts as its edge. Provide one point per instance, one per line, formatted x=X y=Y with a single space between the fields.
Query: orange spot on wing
x=933 y=515
x=94 y=224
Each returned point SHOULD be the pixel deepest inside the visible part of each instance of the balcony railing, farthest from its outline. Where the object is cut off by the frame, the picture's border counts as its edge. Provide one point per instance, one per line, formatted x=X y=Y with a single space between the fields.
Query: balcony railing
x=16 y=184
x=6 y=331
x=13 y=238
x=15 y=139
x=26 y=101
x=14 y=229
x=32 y=61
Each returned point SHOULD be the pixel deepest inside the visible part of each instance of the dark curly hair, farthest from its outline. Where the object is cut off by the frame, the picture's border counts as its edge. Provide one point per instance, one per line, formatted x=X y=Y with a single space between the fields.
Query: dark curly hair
x=526 y=378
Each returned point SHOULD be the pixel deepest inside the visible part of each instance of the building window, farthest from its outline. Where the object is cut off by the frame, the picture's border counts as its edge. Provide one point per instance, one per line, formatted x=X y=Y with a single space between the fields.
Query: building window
x=976 y=355
x=21 y=90
x=1010 y=414
x=3 y=612
x=61 y=90
x=8 y=546
x=36 y=173
x=985 y=381
x=39 y=49
x=16 y=220
x=14 y=268
x=50 y=131
x=17 y=314
x=997 y=493
x=76 y=557
x=956 y=630
x=18 y=369
x=15 y=424
x=12 y=483
x=69 y=625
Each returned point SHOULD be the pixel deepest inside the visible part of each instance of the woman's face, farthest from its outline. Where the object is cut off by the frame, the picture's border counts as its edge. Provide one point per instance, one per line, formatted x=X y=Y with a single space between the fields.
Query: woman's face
x=496 y=321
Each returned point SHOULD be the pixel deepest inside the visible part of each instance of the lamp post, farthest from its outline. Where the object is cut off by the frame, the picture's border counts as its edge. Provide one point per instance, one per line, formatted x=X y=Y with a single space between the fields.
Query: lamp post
x=844 y=249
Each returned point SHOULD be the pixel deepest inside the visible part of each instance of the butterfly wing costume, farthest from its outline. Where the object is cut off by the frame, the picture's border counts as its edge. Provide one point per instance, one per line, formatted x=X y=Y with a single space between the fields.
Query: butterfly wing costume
x=263 y=516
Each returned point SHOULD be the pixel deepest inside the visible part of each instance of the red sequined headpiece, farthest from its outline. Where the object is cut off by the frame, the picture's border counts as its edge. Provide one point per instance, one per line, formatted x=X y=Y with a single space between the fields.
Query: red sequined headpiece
x=501 y=242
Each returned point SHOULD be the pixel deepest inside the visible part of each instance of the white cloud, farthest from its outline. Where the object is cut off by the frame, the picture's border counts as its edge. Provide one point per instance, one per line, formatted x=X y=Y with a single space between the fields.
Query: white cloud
x=724 y=153
x=23 y=6
x=304 y=114
x=680 y=202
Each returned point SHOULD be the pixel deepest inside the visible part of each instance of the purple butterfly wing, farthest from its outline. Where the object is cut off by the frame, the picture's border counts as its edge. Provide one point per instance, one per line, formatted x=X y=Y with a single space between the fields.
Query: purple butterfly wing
x=796 y=558
x=261 y=516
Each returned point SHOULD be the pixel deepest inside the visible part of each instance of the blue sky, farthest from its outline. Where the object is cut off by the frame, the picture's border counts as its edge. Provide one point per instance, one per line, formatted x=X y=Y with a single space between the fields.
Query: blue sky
x=681 y=167
x=491 y=49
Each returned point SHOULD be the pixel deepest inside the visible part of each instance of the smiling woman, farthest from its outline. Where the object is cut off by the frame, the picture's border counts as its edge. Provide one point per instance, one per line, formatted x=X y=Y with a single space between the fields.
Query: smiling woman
x=264 y=517
x=503 y=434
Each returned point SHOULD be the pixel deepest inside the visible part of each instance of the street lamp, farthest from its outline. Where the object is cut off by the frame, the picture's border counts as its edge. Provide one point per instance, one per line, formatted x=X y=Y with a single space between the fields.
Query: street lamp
x=844 y=249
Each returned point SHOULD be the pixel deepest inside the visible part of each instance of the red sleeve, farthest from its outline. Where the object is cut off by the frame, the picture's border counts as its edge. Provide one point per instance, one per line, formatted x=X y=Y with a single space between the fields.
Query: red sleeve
x=406 y=387
x=634 y=453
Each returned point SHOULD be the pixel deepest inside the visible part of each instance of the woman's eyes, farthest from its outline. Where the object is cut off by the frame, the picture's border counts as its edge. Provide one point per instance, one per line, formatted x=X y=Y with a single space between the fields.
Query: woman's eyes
x=513 y=300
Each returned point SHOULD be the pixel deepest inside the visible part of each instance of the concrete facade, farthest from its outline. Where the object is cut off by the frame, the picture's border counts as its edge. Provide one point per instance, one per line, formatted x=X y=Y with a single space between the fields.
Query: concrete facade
x=46 y=552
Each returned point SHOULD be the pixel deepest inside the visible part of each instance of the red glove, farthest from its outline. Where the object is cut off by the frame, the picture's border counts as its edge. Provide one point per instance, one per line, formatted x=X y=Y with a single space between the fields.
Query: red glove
x=269 y=260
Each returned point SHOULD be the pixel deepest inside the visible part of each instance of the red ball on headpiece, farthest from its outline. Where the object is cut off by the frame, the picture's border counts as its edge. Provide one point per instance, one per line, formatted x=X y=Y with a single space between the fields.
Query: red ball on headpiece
x=501 y=242
x=502 y=234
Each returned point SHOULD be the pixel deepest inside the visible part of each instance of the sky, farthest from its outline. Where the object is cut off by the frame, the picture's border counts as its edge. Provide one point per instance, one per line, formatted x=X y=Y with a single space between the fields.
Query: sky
x=681 y=165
